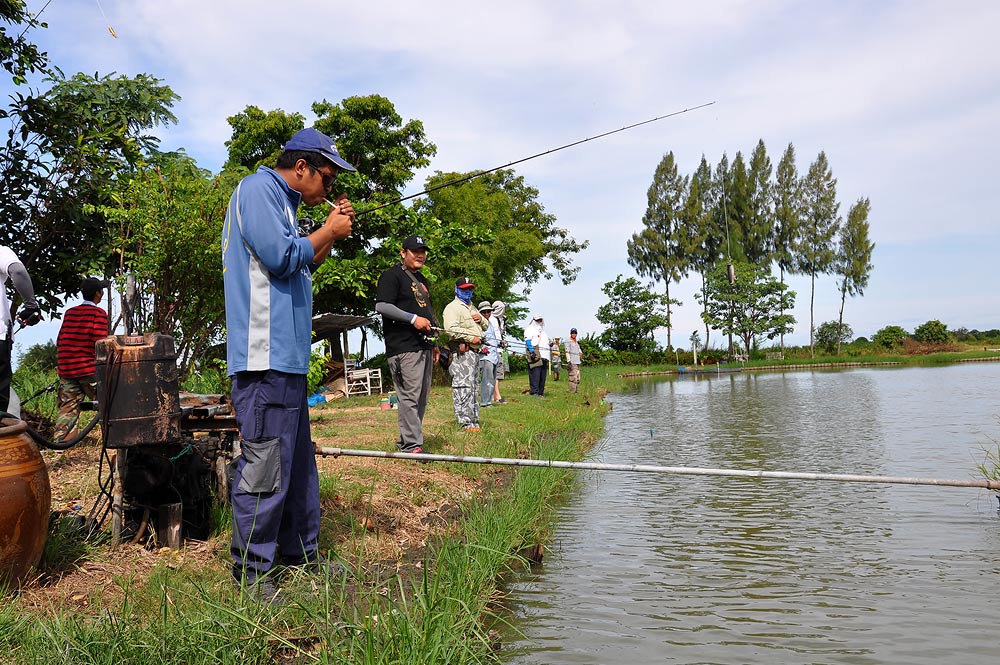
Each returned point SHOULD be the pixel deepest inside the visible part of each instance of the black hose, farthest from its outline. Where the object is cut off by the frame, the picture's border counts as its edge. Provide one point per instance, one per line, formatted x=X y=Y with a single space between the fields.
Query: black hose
x=45 y=443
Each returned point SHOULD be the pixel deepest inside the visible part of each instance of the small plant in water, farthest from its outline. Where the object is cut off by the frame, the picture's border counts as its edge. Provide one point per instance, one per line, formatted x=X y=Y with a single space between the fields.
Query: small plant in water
x=990 y=466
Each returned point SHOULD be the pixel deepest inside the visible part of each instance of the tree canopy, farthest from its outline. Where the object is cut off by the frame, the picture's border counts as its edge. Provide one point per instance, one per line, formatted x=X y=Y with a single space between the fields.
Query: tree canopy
x=17 y=55
x=750 y=307
x=511 y=238
x=853 y=261
x=68 y=150
x=746 y=211
x=631 y=315
x=657 y=251
x=165 y=225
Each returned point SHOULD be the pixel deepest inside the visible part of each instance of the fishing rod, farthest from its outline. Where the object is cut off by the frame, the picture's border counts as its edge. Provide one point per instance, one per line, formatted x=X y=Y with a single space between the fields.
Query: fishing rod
x=477 y=174
x=516 y=346
x=676 y=470
x=514 y=342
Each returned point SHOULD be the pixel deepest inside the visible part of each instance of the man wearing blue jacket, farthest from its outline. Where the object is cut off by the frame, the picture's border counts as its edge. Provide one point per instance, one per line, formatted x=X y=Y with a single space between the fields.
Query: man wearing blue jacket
x=267 y=271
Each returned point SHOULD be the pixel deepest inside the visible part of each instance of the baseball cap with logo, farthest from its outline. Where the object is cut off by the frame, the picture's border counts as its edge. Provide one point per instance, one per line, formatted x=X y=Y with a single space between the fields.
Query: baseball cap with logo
x=414 y=242
x=464 y=283
x=313 y=140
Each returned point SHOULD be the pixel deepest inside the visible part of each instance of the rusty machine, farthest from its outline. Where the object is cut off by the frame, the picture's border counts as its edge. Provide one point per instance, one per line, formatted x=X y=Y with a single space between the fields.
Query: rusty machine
x=169 y=452
x=164 y=458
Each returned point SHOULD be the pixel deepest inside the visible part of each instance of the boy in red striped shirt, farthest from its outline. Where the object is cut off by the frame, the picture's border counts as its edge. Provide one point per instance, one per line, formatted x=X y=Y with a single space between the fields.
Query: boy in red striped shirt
x=81 y=328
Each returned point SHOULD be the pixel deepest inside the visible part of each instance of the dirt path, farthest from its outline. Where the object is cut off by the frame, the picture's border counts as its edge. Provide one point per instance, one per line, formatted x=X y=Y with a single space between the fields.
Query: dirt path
x=376 y=512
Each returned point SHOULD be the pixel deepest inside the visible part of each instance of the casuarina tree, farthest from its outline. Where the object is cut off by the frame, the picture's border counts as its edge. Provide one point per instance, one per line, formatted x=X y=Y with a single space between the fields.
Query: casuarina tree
x=657 y=251
x=820 y=222
x=787 y=200
x=854 y=255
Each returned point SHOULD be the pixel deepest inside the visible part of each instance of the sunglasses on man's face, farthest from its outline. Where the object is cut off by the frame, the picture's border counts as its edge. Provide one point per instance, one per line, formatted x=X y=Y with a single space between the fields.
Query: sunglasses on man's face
x=327 y=178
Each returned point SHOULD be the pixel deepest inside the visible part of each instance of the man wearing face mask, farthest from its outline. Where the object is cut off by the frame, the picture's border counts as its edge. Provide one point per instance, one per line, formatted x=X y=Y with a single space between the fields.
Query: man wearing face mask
x=465 y=325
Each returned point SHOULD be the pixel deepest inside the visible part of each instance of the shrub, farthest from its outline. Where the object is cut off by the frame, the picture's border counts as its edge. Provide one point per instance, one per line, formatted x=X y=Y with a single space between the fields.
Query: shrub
x=932 y=332
x=890 y=337
x=831 y=332
x=40 y=356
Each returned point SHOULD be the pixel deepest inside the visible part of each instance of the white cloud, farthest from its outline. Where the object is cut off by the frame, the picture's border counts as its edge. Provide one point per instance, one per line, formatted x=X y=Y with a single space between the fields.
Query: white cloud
x=902 y=96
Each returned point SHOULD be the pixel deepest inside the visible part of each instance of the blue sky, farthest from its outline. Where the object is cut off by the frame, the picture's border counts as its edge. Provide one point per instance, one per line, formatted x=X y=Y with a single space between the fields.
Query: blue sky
x=902 y=96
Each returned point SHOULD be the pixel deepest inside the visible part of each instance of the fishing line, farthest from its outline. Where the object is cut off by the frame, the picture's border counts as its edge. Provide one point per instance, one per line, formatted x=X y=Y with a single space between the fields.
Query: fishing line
x=730 y=270
x=110 y=29
x=36 y=16
x=477 y=174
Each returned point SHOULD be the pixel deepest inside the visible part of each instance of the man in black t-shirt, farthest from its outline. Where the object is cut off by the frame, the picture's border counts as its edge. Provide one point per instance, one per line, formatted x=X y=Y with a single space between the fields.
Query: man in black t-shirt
x=403 y=299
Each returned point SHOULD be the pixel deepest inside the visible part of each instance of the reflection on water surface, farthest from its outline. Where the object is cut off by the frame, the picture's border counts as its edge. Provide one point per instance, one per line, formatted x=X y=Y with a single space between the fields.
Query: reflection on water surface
x=650 y=568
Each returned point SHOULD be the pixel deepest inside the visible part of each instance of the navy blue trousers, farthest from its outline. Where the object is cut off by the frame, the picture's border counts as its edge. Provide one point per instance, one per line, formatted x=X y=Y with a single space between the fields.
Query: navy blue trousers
x=275 y=487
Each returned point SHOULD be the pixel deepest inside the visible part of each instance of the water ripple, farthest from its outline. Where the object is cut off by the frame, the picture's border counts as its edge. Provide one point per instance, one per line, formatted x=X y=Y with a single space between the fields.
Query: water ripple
x=647 y=568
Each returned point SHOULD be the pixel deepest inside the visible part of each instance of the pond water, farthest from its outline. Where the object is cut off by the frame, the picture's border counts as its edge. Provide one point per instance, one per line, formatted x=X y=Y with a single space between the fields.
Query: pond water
x=652 y=568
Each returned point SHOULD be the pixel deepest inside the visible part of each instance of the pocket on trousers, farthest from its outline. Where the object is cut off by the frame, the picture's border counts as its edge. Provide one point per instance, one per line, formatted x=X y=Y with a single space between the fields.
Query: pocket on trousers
x=262 y=468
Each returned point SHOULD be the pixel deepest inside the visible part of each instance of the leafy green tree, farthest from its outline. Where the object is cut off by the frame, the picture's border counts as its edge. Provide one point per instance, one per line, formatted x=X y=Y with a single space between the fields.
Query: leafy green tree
x=890 y=337
x=814 y=247
x=751 y=307
x=41 y=357
x=387 y=152
x=258 y=136
x=372 y=136
x=932 y=332
x=17 y=55
x=631 y=315
x=67 y=152
x=699 y=237
x=737 y=207
x=655 y=252
x=829 y=335
x=511 y=239
x=854 y=254
x=165 y=227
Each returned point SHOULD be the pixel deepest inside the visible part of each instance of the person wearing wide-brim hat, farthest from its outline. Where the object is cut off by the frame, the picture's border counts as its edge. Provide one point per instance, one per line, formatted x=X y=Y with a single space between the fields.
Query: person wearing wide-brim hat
x=499 y=320
x=465 y=325
x=536 y=342
x=555 y=364
x=490 y=358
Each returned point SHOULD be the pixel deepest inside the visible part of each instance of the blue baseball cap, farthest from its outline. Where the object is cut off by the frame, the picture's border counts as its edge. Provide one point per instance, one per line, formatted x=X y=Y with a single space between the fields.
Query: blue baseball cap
x=313 y=140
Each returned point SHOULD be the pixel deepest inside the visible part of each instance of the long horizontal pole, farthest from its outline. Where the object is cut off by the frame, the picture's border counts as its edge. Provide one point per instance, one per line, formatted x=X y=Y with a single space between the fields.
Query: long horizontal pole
x=677 y=470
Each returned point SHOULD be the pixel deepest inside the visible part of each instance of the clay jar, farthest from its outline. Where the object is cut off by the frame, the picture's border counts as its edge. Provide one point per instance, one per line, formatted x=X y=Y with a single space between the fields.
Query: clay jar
x=25 y=499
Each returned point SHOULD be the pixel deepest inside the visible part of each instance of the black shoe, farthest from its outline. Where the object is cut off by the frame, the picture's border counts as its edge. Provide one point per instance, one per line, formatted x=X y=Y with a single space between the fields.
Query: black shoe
x=319 y=566
x=263 y=589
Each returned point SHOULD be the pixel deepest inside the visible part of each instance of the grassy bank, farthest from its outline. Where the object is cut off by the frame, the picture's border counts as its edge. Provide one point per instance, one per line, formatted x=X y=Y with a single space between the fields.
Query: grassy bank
x=426 y=546
x=799 y=361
